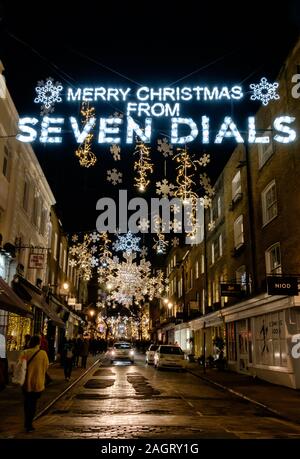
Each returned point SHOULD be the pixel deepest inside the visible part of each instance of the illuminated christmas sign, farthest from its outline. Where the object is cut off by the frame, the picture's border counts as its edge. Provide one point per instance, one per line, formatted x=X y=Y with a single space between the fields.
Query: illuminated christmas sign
x=143 y=106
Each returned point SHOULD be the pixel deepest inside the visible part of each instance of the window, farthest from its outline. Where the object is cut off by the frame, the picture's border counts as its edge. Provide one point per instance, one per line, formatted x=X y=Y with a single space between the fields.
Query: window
x=231 y=341
x=203 y=301
x=65 y=261
x=55 y=246
x=174 y=261
x=191 y=278
x=269 y=203
x=43 y=222
x=220 y=245
x=60 y=262
x=6 y=159
x=212 y=253
x=36 y=211
x=238 y=231
x=236 y=186
x=265 y=151
x=202 y=264
x=241 y=277
x=270 y=340
x=219 y=207
x=197 y=270
x=25 y=194
x=273 y=259
x=179 y=284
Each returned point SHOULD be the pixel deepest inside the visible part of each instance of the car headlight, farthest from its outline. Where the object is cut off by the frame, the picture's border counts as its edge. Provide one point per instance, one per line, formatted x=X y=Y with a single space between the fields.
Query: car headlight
x=112 y=352
x=131 y=352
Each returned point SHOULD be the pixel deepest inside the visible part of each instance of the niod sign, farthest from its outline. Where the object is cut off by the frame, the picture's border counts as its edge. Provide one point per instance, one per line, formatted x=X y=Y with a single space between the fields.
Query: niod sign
x=231 y=289
x=140 y=108
x=282 y=285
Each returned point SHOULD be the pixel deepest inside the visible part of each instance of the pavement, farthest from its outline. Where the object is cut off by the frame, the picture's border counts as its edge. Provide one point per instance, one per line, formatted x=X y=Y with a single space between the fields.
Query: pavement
x=11 y=400
x=279 y=400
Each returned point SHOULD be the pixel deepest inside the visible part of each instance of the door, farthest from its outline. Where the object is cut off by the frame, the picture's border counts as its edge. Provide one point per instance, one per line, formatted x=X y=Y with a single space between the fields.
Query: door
x=243 y=346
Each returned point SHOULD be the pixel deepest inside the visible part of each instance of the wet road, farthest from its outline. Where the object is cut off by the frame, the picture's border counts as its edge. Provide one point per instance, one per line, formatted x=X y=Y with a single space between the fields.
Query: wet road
x=136 y=401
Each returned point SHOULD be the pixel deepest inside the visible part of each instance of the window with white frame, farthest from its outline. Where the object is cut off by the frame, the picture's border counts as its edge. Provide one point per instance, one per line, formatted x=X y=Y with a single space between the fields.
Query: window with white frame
x=269 y=203
x=203 y=301
x=238 y=232
x=174 y=260
x=180 y=288
x=265 y=151
x=273 y=259
x=241 y=277
x=55 y=246
x=220 y=245
x=60 y=262
x=212 y=253
x=65 y=261
x=202 y=264
x=219 y=207
x=236 y=186
x=197 y=269
x=43 y=221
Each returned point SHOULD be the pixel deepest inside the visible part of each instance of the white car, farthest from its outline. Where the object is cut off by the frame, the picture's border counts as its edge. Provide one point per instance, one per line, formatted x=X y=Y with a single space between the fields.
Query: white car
x=121 y=351
x=169 y=356
x=150 y=353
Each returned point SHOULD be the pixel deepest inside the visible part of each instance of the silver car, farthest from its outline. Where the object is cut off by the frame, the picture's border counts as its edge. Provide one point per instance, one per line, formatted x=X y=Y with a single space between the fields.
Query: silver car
x=121 y=351
x=169 y=356
x=150 y=354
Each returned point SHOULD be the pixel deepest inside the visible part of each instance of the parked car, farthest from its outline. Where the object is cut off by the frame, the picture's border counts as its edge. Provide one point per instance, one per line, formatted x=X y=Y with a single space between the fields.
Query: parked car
x=150 y=354
x=121 y=351
x=169 y=356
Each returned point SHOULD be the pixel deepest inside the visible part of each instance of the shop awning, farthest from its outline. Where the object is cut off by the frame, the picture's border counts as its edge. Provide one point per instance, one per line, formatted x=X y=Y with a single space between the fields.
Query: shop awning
x=52 y=314
x=37 y=300
x=11 y=302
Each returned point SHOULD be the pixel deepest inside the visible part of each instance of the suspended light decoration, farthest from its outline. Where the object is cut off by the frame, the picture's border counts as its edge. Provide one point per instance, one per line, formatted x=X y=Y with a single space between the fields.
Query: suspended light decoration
x=86 y=157
x=143 y=166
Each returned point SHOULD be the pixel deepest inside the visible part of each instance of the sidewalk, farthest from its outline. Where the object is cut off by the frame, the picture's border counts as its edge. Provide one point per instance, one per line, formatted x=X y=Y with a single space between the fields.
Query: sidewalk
x=280 y=399
x=11 y=400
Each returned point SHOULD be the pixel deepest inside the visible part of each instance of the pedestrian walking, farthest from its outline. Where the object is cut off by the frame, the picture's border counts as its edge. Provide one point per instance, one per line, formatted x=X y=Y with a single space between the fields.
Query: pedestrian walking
x=34 y=385
x=77 y=351
x=84 y=353
x=68 y=359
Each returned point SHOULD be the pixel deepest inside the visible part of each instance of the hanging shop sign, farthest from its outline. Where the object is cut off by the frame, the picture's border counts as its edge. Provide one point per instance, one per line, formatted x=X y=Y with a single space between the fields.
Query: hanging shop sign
x=231 y=289
x=277 y=285
x=36 y=261
x=140 y=107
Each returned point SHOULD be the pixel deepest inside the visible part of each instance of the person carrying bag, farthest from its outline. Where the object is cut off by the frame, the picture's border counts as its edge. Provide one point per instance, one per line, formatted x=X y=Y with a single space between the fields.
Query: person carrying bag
x=34 y=368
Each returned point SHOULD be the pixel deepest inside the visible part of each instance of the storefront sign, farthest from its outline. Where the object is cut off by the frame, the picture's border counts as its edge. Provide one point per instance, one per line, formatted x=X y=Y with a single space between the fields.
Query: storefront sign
x=78 y=306
x=71 y=301
x=36 y=260
x=231 y=289
x=282 y=285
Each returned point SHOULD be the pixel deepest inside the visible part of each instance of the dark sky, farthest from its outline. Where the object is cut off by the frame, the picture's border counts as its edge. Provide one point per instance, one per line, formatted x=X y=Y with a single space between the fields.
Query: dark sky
x=144 y=42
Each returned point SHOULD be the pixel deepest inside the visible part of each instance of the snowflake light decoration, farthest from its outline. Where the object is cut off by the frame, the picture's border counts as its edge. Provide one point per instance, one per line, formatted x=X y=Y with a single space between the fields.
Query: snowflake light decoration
x=175 y=242
x=176 y=226
x=114 y=176
x=164 y=188
x=160 y=244
x=48 y=93
x=211 y=225
x=204 y=160
x=144 y=251
x=127 y=243
x=143 y=225
x=264 y=91
x=94 y=262
x=205 y=201
x=165 y=147
x=75 y=238
x=115 y=151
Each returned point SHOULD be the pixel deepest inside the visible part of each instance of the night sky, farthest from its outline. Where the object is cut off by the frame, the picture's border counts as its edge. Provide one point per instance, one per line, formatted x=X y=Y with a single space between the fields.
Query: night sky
x=128 y=43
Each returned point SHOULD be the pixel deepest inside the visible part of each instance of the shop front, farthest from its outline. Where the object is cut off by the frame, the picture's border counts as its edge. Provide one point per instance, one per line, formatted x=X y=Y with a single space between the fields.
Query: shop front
x=261 y=334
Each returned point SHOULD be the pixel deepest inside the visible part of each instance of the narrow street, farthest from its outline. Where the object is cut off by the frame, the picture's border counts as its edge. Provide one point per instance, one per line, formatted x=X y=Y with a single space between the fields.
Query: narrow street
x=124 y=401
